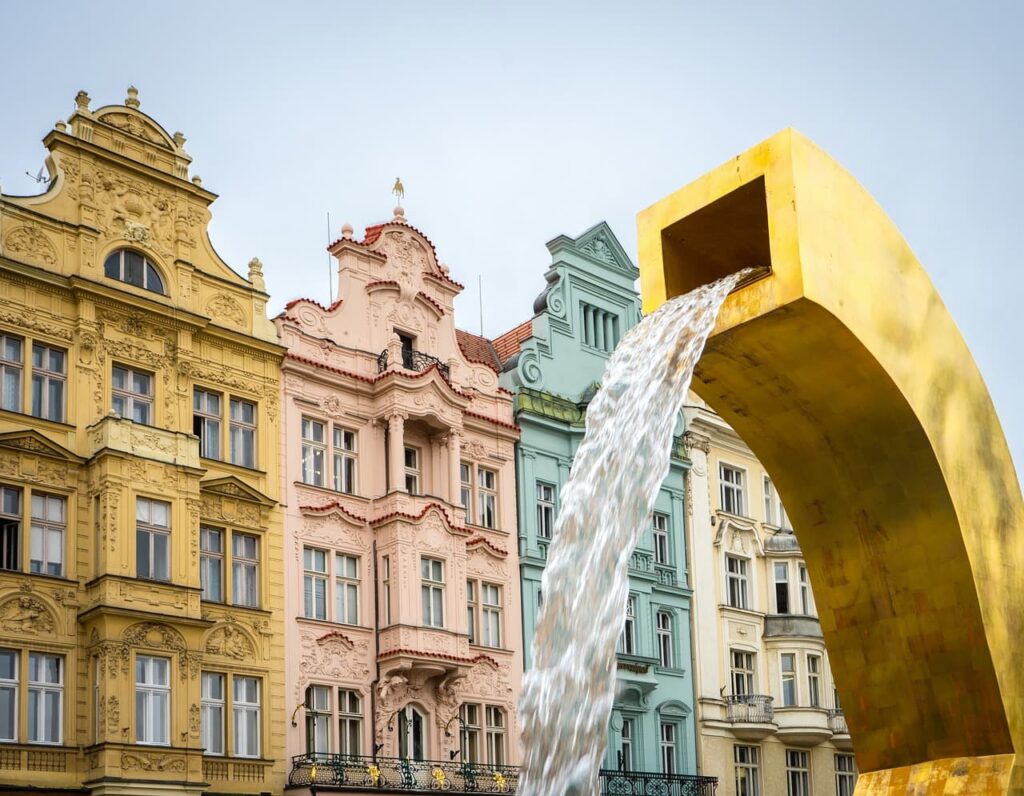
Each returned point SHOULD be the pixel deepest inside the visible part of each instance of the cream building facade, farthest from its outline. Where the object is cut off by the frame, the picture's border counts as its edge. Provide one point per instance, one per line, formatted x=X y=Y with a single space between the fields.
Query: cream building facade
x=769 y=718
x=141 y=646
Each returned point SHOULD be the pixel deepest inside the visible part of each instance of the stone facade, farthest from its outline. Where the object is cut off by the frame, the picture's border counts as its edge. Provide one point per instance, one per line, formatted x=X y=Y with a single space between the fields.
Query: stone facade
x=399 y=476
x=116 y=313
x=769 y=717
x=554 y=363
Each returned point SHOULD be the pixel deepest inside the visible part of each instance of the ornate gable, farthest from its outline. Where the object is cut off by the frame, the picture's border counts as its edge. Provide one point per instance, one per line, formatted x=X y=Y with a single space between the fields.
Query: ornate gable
x=31 y=441
x=233 y=487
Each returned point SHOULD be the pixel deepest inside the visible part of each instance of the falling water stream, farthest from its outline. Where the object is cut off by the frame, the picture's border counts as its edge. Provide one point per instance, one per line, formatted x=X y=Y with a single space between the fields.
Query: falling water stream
x=606 y=505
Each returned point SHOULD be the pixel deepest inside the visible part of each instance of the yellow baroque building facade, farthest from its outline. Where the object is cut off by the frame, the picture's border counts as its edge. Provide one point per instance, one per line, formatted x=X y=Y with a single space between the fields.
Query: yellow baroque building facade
x=141 y=564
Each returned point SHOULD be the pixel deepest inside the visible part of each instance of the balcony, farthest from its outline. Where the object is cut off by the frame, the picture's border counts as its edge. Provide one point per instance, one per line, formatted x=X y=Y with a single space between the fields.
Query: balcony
x=643 y=783
x=752 y=716
x=840 y=732
x=330 y=772
x=413 y=360
x=803 y=726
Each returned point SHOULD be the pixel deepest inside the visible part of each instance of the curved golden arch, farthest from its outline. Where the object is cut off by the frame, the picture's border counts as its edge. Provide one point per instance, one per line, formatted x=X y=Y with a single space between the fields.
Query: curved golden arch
x=840 y=366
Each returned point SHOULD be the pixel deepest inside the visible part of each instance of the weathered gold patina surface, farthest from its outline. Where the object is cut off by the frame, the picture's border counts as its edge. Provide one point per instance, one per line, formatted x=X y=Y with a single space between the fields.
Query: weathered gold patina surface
x=845 y=373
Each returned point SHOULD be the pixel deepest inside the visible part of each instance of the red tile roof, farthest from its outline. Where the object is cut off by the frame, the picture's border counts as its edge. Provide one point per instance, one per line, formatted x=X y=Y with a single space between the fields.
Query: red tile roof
x=478 y=349
x=508 y=344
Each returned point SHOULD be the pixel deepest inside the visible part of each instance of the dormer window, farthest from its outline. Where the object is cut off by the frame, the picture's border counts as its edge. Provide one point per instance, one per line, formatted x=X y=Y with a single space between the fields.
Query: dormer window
x=131 y=267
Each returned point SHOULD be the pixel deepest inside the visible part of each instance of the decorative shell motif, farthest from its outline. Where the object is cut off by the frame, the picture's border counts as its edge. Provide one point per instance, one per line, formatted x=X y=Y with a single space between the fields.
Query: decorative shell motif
x=32 y=243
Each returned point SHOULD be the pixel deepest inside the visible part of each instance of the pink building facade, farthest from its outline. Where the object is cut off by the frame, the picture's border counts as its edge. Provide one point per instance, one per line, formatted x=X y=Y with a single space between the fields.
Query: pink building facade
x=403 y=625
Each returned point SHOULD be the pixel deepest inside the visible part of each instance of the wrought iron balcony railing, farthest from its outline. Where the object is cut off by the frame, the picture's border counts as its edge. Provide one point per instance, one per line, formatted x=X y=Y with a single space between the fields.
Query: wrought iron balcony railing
x=749 y=709
x=352 y=772
x=837 y=722
x=648 y=783
x=413 y=360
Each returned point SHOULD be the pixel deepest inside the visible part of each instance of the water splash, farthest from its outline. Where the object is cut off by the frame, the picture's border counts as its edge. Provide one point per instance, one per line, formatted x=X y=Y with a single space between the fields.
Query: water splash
x=606 y=505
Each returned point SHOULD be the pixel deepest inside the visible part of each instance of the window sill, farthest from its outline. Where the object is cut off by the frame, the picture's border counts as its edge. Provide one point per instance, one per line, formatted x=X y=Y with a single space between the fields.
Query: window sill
x=751 y=612
x=42 y=576
x=331 y=491
x=241 y=468
x=232 y=607
x=328 y=623
x=23 y=417
x=484 y=648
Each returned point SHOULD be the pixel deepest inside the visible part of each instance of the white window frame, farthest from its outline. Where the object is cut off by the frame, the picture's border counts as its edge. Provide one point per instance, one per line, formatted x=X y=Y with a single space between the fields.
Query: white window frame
x=627 y=738
x=319 y=718
x=210 y=558
x=152 y=692
x=470 y=732
x=413 y=471
x=212 y=710
x=12 y=685
x=741 y=578
x=242 y=437
x=627 y=639
x=472 y=607
x=466 y=487
x=45 y=379
x=346 y=588
x=43 y=530
x=732 y=482
x=746 y=759
x=313 y=452
x=243 y=563
x=208 y=421
x=798 y=772
x=487 y=496
x=432 y=591
x=496 y=729
x=490 y=614
x=662 y=536
x=312 y=578
x=150 y=528
x=547 y=509
x=345 y=459
x=743 y=670
x=12 y=371
x=350 y=722
x=814 y=680
x=781 y=588
x=12 y=521
x=131 y=397
x=42 y=689
x=806 y=594
x=241 y=710
x=788 y=676
x=846 y=774
x=666 y=642
x=668 y=746
x=386 y=585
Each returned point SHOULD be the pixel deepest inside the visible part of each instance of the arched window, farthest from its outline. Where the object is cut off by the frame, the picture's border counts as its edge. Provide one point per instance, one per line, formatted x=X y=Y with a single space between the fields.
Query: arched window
x=129 y=266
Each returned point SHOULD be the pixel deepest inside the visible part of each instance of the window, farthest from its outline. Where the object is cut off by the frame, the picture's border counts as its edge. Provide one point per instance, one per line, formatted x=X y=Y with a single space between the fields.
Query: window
x=491 y=614
x=11 y=364
x=432 y=591
x=668 y=748
x=386 y=570
x=411 y=741
x=769 y=501
x=152 y=539
x=487 y=481
x=465 y=486
x=731 y=481
x=350 y=722
x=664 y=623
x=344 y=460
x=814 y=680
x=246 y=707
x=206 y=412
x=627 y=641
x=45 y=698
x=781 y=587
x=626 y=744
x=211 y=564
x=346 y=589
x=9 y=695
x=314 y=583
x=318 y=719
x=495 y=735
x=662 y=547
x=748 y=777
x=10 y=528
x=314 y=450
x=49 y=375
x=471 y=732
x=797 y=773
x=545 y=510
x=805 y=591
x=97 y=716
x=736 y=575
x=472 y=606
x=133 y=394
x=152 y=700
x=212 y=713
x=846 y=775
x=131 y=267
x=742 y=672
x=47 y=544
x=245 y=568
x=412 y=471
x=407 y=349
x=242 y=433
x=788 y=667
x=600 y=328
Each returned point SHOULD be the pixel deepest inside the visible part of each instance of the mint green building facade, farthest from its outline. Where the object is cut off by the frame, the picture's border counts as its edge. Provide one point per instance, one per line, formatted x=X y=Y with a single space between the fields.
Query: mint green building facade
x=554 y=364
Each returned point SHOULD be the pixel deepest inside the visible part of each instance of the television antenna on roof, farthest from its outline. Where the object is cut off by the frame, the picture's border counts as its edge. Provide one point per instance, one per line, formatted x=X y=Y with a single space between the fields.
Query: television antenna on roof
x=41 y=177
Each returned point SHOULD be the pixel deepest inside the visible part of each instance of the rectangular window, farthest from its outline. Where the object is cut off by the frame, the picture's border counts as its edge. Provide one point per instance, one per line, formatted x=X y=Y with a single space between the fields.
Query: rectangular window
x=10 y=528
x=736 y=574
x=47 y=544
x=212 y=714
x=846 y=775
x=344 y=460
x=664 y=629
x=487 y=481
x=242 y=433
x=490 y=614
x=152 y=700
x=748 y=774
x=627 y=641
x=314 y=583
x=742 y=672
x=814 y=680
x=211 y=564
x=412 y=471
x=495 y=735
x=318 y=719
x=731 y=482
x=545 y=510
x=806 y=604
x=797 y=773
x=206 y=422
x=769 y=501
x=9 y=660
x=465 y=486
x=668 y=748
x=626 y=762
x=350 y=722
x=432 y=591
x=662 y=547
x=472 y=606
x=781 y=587
x=246 y=708
x=788 y=667
x=49 y=377
x=386 y=578
x=11 y=364
x=346 y=589
x=471 y=732
x=245 y=570
x=45 y=698
x=314 y=451
x=600 y=328
x=133 y=394
x=152 y=539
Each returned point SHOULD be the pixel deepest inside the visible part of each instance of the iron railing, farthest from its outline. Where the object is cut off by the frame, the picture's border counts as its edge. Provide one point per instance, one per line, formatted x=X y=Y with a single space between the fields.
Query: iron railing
x=837 y=722
x=649 y=783
x=749 y=709
x=355 y=772
x=413 y=360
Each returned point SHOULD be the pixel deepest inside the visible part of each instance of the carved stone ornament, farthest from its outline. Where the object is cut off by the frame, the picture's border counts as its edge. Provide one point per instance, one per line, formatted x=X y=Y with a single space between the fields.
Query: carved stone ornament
x=26 y=615
x=230 y=642
x=225 y=308
x=32 y=243
x=152 y=762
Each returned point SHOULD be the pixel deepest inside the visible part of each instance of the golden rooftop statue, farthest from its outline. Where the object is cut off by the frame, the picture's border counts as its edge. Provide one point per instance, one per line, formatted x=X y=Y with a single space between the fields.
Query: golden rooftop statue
x=398 y=190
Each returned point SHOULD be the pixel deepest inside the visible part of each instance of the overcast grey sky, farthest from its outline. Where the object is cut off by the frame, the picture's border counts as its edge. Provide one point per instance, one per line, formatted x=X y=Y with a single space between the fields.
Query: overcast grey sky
x=511 y=123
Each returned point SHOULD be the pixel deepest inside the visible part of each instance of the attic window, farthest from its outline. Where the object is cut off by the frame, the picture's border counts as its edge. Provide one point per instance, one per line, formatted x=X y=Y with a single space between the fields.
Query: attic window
x=600 y=328
x=129 y=266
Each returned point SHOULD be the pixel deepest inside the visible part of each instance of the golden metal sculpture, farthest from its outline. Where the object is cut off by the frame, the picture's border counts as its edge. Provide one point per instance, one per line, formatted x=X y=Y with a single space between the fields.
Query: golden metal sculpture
x=840 y=366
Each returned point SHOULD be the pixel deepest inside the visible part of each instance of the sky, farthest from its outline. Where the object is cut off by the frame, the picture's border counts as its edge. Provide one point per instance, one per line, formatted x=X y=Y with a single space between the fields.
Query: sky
x=511 y=123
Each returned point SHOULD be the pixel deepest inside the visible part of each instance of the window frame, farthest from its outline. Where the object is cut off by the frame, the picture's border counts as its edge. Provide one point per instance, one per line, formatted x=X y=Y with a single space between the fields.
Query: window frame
x=318 y=719
x=662 y=538
x=130 y=396
x=210 y=704
x=798 y=775
x=150 y=271
x=45 y=526
x=310 y=449
x=487 y=497
x=783 y=595
x=627 y=638
x=344 y=460
x=751 y=766
x=665 y=638
x=153 y=531
x=12 y=368
x=206 y=555
x=13 y=685
x=495 y=735
x=846 y=778
x=547 y=509
x=806 y=593
x=243 y=563
x=481 y=498
x=413 y=473
x=152 y=691
x=741 y=579
x=735 y=489
x=241 y=428
x=47 y=378
x=45 y=688
x=343 y=583
x=668 y=748
x=432 y=592
x=314 y=576
x=207 y=423
x=470 y=732
x=743 y=669
x=814 y=680
x=790 y=677
x=245 y=708
x=350 y=722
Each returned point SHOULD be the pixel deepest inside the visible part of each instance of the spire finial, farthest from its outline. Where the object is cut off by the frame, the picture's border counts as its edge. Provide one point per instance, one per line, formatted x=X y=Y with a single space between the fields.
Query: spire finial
x=82 y=101
x=132 y=100
x=399 y=191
